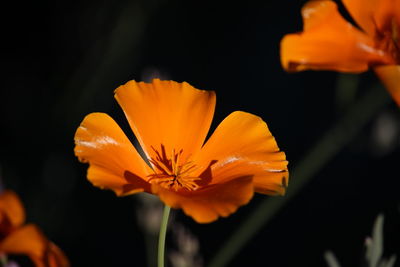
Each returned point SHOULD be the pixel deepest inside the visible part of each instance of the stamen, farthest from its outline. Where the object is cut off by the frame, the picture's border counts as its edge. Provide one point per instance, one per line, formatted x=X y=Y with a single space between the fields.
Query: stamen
x=170 y=173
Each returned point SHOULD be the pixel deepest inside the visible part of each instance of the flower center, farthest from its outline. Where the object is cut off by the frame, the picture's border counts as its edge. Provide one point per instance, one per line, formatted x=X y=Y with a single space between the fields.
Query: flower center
x=170 y=173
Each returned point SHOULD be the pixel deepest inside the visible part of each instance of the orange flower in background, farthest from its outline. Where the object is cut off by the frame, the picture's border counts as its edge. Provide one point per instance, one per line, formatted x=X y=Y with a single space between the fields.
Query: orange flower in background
x=171 y=121
x=20 y=239
x=329 y=42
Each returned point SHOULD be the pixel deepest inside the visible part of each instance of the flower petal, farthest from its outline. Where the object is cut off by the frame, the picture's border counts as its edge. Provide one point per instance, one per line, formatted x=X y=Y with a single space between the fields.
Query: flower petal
x=374 y=16
x=242 y=145
x=114 y=162
x=29 y=240
x=56 y=257
x=362 y=13
x=211 y=202
x=390 y=77
x=12 y=209
x=175 y=115
x=329 y=43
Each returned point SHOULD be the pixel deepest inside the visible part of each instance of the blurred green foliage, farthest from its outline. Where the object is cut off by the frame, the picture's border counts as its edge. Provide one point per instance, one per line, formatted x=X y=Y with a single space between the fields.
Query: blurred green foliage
x=374 y=249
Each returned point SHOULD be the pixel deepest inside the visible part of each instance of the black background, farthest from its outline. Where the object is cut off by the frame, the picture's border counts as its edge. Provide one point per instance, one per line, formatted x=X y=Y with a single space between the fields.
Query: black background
x=62 y=60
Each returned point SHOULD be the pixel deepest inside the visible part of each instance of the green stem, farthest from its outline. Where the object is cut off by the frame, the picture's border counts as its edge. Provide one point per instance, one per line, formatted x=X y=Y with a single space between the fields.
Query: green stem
x=316 y=158
x=161 y=238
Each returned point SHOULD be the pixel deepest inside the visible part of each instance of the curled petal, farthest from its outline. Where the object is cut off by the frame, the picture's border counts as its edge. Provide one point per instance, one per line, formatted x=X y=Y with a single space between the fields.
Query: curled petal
x=390 y=77
x=12 y=213
x=30 y=241
x=242 y=145
x=175 y=115
x=210 y=203
x=114 y=162
x=329 y=43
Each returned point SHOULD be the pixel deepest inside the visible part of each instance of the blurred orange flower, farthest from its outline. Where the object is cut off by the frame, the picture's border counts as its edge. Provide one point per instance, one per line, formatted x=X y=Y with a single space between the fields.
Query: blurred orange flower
x=17 y=238
x=171 y=121
x=329 y=42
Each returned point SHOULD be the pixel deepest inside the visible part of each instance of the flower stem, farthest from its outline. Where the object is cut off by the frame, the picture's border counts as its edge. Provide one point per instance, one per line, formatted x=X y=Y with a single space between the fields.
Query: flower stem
x=161 y=238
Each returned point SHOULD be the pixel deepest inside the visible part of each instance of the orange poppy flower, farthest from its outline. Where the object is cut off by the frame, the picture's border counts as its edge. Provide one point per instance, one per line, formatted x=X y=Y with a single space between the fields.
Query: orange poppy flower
x=171 y=121
x=17 y=238
x=329 y=42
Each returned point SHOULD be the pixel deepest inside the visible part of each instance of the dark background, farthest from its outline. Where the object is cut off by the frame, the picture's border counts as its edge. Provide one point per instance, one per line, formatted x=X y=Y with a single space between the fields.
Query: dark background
x=62 y=60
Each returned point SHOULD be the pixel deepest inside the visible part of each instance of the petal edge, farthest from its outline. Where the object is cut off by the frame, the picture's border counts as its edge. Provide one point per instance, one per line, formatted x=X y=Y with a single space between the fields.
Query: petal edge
x=101 y=142
x=328 y=42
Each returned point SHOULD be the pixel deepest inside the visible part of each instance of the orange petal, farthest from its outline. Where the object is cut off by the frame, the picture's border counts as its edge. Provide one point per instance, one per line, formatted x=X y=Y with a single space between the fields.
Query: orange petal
x=12 y=209
x=390 y=77
x=242 y=145
x=175 y=115
x=207 y=204
x=56 y=257
x=362 y=12
x=27 y=240
x=329 y=43
x=274 y=185
x=374 y=16
x=114 y=162
x=30 y=241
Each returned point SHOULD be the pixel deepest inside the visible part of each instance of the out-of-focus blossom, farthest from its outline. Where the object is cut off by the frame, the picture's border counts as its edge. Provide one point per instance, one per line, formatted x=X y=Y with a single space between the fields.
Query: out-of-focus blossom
x=171 y=121
x=385 y=133
x=329 y=42
x=149 y=213
x=25 y=239
x=187 y=252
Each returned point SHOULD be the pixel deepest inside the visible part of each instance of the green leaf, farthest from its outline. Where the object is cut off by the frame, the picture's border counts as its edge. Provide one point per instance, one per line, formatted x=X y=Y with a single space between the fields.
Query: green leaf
x=375 y=247
x=331 y=259
x=391 y=261
x=388 y=263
